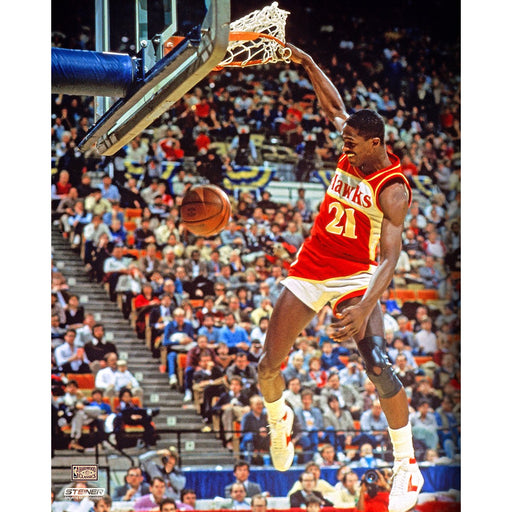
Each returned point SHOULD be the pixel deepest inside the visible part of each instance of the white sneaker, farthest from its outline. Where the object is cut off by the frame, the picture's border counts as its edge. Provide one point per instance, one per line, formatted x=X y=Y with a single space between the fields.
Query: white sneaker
x=173 y=381
x=407 y=484
x=281 y=446
x=188 y=396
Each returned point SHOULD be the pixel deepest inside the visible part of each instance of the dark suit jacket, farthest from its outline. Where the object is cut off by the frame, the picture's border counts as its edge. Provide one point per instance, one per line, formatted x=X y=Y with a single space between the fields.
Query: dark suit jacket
x=251 y=488
x=120 y=491
x=297 y=499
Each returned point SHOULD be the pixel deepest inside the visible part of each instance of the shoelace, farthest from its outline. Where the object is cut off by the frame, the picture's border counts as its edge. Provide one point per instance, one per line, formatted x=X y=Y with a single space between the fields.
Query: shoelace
x=400 y=476
x=279 y=436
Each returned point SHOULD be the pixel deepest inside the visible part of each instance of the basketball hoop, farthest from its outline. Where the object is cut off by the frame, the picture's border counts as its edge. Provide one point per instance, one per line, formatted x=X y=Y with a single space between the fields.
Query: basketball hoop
x=258 y=38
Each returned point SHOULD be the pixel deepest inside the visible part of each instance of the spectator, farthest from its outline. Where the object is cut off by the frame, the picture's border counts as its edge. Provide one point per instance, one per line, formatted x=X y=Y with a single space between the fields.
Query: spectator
x=259 y=503
x=106 y=377
x=128 y=413
x=425 y=341
x=155 y=496
x=125 y=379
x=231 y=406
x=321 y=485
x=69 y=357
x=327 y=456
x=374 y=426
x=109 y=190
x=311 y=423
x=255 y=436
x=374 y=497
x=237 y=499
x=292 y=393
x=349 y=495
x=430 y=275
x=134 y=486
x=77 y=412
x=207 y=374
x=366 y=458
x=103 y=504
x=330 y=356
x=346 y=394
x=188 y=499
x=241 y=472
x=97 y=349
x=424 y=425
x=144 y=235
x=298 y=498
x=338 y=424
x=166 y=469
x=178 y=335
x=296 y=370
x=353 y=374
x=255 y=351
x=448 y=428
x=168 y=505
x=404 y=372
x=246 y=371
x=114 y=267
x=192 y=361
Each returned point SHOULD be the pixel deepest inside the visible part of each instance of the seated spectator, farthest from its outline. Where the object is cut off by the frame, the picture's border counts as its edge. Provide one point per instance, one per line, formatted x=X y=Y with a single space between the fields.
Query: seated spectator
x=169 y=505
x=349 y=494
x=69 y=357
x=159 y=316
x=106 y=377
x=430 y=275
x=77 y=222
x=144 y=235
x=77 y=412
x=424 y=341
x=369 y=394
x=399 y=348
x=346 y=394
x=91 y=235
x=74 y=312
x=317 y=374
x=125 y=379
x=255 y=437
x=178 y=335
x=404 y=372
x=187 y=500
x=149 y=262
x=255 y=351
x=237 y=499
x=311 y=423
x=246 y=371
x=423 y=390
x=338 y=424
x=264 y=310
x=114 y=267
x=296 y=371
x=127 y=413
x=134 y=486
x=102 y=504
x=142 y=305
x=424 y=425
x=292 y=393
x=99 y=254
x=206 y=374
x=404 y=332
x=210 y=330
x=366 y=458
x=192 y=362
x=154 y=498
x=260 y=331
x=327 y=456
x=448 y=428
x=374 y=426
x=330 y=357
x=241 y=472
x=164 y=464
x=235 y=337
x=298 y=498
x=353 y=374
x=231 y=406
x=321 y=485
x=97 y=349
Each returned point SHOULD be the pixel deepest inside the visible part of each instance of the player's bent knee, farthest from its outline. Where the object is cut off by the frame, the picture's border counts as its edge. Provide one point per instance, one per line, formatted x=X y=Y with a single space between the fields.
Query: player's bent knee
x=378 y=367
x=266 y=369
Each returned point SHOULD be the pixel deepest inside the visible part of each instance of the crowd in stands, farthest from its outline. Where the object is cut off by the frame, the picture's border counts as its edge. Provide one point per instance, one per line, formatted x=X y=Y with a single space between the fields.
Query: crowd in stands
x=210 y=299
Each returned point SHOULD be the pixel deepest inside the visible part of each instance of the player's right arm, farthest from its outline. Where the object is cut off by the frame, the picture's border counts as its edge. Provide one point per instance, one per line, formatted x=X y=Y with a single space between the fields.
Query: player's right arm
x=327 y=94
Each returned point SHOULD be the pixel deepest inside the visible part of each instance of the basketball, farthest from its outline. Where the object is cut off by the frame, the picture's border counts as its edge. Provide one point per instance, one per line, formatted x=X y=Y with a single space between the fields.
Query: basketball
x=205 y=210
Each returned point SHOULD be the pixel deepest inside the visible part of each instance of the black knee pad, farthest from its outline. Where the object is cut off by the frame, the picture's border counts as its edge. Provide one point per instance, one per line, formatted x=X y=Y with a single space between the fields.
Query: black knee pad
x=372 y=349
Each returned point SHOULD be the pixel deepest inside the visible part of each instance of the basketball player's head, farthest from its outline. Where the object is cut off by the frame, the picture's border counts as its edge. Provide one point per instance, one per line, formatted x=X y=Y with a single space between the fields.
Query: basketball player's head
x=368 y=124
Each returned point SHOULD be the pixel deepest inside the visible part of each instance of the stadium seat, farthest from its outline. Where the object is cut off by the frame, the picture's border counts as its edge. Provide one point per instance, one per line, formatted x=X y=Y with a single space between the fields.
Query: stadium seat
x=427 y=294
x=132 y=213
x=85 y=381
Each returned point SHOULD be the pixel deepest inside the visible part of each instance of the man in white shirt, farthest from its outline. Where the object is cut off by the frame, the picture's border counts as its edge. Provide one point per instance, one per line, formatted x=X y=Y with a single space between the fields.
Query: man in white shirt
x=106 y=377
x=69 y=357
x=123 y=378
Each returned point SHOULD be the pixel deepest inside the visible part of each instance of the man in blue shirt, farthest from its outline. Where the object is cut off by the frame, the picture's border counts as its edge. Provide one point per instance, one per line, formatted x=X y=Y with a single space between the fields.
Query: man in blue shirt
x=234 y=336
x=178 y=334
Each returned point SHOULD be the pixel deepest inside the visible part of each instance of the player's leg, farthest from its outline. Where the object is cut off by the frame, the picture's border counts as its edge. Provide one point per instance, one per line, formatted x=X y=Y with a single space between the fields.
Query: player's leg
x=289 y=318
x=407 y=478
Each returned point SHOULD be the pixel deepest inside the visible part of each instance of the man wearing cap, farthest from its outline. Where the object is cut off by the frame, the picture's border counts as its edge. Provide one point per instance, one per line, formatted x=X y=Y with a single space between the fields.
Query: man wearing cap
x=123 y=378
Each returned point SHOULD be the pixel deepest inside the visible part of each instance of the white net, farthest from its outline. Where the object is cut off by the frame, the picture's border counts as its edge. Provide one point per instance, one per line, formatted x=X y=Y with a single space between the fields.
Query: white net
x=257 y=38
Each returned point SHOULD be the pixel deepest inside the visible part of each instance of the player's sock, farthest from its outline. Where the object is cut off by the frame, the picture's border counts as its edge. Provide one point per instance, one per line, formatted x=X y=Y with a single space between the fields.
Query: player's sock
x=401 y=438
x=275 y=410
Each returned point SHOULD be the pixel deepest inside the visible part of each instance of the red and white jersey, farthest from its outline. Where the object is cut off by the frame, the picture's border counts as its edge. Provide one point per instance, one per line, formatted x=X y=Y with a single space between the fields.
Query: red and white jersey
x=346 y=232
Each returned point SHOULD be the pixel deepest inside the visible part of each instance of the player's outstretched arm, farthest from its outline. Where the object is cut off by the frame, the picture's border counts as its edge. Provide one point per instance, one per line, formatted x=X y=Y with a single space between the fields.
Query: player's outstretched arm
x=327 y=94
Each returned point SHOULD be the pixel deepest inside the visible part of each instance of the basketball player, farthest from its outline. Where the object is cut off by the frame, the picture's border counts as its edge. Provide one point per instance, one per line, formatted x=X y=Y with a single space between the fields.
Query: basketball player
x=365 y=204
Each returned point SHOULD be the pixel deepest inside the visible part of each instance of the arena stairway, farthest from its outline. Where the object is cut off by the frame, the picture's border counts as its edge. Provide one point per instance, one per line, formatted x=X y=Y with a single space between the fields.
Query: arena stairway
x=197 y=448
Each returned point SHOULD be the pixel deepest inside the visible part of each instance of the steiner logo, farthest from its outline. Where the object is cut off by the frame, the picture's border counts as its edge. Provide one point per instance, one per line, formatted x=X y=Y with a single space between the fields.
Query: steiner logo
x=80 y=492
x=82 y=472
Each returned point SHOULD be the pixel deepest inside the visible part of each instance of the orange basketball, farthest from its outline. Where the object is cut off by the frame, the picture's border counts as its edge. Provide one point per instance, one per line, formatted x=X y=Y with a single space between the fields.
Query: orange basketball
x=205 y=210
